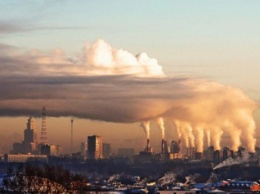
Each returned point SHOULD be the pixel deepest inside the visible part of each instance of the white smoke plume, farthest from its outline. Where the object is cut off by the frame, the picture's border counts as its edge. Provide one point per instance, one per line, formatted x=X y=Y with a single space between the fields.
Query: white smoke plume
x=176 y=124
x=208 y=138
x=146 y=127
x=216 y=138
x=114 y=178
x=187 y=132
x=199 y=140
x=191 y=179
x=168 y=178
x=235 y=135
x=247 y=126
x=103 y=83
x=160 y=124
x=233 y=161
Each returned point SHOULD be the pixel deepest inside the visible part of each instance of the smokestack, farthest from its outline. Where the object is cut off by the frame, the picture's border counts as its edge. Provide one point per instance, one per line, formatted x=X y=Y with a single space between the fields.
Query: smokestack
x=216 y=156
x=179 y=142
x=148 y=146
x=191 y=152
x=226 y=153
x=146 y=127
x=162 y=146
x=239 y=153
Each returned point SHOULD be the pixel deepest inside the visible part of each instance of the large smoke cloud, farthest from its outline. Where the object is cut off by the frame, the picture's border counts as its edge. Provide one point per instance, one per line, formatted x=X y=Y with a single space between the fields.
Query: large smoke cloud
x=113 y=85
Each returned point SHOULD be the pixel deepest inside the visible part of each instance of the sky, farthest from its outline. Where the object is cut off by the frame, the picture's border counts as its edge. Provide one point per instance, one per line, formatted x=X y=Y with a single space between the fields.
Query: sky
x=42 y=41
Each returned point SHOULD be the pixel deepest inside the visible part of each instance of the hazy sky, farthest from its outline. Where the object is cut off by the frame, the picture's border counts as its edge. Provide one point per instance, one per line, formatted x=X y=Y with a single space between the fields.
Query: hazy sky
x=217 y=40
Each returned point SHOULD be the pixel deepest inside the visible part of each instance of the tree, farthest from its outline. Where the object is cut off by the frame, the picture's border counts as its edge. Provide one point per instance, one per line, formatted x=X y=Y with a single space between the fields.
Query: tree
x=33 y=178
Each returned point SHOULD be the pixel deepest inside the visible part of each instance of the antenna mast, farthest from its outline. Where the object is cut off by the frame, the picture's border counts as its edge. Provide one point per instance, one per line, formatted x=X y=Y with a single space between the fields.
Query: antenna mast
x=71 y=126
x=44 y=129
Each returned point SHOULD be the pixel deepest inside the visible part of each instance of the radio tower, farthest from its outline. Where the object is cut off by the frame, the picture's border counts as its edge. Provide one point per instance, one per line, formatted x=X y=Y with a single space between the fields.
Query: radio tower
x=44 y=129
x=71 y=127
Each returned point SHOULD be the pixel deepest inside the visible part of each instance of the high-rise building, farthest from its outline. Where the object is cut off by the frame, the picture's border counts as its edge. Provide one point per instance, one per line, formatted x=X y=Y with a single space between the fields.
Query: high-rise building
x=106 y=150
x=29 y=132
x=50 y=150
x=83 y=149
x=95 y=147
x=29 y=144
x=30 y=137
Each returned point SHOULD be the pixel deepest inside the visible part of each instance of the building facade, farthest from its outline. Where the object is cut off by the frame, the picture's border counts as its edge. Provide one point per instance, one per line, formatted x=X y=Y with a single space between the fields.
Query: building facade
x=106 y=150
x=50 y=149
x=29 y=144
x=22 y=158
x=95 y=147
x=83 y=149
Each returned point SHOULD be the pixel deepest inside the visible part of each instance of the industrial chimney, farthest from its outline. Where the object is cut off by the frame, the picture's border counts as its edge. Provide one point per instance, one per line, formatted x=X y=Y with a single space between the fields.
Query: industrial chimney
x=179 y=144
x=216 y=156
x=162 y=146
x=148 y=148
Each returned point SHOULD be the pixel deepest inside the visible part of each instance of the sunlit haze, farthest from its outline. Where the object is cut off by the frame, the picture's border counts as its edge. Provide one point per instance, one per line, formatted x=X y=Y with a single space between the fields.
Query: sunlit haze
x=131 y=71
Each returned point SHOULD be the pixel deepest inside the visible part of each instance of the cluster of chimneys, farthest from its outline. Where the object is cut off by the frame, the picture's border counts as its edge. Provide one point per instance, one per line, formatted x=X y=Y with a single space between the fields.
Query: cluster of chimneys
x=191 y=152
x=148 y=148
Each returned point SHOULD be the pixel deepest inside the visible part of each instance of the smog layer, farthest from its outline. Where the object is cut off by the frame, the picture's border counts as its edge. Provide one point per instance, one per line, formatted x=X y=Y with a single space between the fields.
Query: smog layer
x=113 y=85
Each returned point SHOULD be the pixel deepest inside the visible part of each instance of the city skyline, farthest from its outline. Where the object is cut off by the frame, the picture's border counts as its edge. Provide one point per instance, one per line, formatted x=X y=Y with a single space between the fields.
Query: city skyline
x=58 y=54
x=116 y=142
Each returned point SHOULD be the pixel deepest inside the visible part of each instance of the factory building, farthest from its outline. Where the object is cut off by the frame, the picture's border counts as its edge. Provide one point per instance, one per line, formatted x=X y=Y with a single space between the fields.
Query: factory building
x=216 y=156
x=175 y=149
x=226 y=153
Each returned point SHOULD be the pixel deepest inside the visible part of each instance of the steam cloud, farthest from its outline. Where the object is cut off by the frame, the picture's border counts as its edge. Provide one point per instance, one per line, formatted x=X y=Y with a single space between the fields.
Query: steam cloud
x=160 y=123
x=146 y=126
x=233 y=161
x=113 y=85
x=168 y=178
